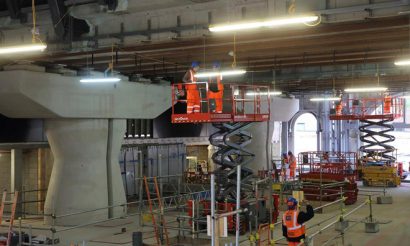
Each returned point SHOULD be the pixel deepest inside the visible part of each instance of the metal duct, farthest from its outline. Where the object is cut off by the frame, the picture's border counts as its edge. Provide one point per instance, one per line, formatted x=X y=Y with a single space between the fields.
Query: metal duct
x=65 y=25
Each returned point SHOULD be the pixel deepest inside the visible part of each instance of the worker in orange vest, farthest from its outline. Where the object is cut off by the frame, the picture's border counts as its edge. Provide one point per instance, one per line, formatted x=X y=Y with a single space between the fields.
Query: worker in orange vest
x=292 y=164
x=293 y=222
x=192 y=92
x=216 y=90
x=339 y=108
x=387 y=104
x=285 y=166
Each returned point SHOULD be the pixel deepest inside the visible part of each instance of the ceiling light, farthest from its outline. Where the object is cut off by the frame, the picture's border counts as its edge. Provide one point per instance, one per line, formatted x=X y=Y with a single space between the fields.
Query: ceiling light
x=22 y=48
x=366 y=89
x=402 y=62
x=271 y=93
x=265 y=23
x=100 y=80
x=221 y=73
x=322 y=99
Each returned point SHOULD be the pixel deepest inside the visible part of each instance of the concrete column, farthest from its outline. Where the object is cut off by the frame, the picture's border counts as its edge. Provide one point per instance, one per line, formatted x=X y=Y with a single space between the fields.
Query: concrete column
x=285 y=137
x=86 y=174
x=258 y=145
x=41 y=179
x=276 y=148
x=17 y=176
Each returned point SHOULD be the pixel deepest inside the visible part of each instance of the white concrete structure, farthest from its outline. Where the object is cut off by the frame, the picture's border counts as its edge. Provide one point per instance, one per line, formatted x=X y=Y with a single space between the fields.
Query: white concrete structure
x=281 y=110
x=84 y=124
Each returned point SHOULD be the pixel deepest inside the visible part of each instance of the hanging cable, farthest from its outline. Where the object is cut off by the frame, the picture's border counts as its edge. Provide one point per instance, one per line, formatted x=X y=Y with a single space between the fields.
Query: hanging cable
x=234 y=51
x=111 y=66
x=204 y=51
x=33 y=32
x=292 y=7
x=35 y=36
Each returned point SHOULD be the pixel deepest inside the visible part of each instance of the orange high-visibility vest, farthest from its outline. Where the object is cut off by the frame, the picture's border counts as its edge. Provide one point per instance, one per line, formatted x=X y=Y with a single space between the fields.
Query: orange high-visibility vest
x=339 y=109
x=191 y=78
x=387 y=105
x=290 y=220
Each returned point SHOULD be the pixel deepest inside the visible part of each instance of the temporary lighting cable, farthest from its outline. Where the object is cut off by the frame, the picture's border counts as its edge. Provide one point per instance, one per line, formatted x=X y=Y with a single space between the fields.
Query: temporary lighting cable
x=33 y=9
x=234 y=51
x=34 y=35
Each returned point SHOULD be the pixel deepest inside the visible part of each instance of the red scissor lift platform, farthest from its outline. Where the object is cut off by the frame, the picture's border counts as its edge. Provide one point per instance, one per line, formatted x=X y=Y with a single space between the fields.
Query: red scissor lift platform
x=241 y=103
x=377 y=161
x=325 y=173
x=383 y=108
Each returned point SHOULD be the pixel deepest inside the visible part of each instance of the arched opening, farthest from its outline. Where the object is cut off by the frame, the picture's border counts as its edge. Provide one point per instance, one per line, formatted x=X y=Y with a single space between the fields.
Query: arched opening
x=305 y=133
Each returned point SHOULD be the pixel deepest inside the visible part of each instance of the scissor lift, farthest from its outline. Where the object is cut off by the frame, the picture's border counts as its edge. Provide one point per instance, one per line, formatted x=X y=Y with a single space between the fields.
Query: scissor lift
x=243 y=105
x=378 y=162
x=325 y=173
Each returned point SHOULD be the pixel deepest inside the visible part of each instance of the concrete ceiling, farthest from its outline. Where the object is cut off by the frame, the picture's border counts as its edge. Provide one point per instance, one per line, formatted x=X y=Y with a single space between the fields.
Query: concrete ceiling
x=159 y=38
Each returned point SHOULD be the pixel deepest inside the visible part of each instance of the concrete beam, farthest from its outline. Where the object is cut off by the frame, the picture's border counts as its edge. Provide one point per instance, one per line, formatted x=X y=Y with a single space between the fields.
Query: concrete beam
x=25 y=96
x=86 y=175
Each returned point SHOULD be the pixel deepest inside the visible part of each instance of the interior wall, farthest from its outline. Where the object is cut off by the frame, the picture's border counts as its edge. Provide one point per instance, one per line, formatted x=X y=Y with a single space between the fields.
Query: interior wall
x=31 y=176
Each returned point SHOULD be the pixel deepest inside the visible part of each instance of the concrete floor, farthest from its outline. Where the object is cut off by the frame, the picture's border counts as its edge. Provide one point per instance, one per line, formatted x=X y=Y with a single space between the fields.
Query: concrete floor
x=397 y=232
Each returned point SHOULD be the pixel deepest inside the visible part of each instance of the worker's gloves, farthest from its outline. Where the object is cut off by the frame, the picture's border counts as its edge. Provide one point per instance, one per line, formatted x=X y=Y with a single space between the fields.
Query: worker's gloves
x=180 y=93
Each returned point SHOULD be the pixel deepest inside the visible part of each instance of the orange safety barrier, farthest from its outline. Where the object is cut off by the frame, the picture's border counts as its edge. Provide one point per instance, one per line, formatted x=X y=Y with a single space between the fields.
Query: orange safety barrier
x=264 y=234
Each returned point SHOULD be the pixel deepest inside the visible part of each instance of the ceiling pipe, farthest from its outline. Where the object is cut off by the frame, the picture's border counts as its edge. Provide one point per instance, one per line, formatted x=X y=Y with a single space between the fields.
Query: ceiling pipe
x=361 y=8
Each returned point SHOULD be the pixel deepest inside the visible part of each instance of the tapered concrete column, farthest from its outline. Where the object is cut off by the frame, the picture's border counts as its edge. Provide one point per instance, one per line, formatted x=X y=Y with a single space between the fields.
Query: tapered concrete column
x=86 y=174
x=17 y=176
x=281 y=109
x=261 y=143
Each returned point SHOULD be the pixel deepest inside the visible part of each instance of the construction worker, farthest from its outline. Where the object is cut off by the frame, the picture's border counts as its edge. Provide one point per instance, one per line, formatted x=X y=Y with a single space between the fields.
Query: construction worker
x=192 y=92
x=339 y=108
x=285 y=166
x=293 y=222
x=387 y=104
x=216 y=90
x=292 y=164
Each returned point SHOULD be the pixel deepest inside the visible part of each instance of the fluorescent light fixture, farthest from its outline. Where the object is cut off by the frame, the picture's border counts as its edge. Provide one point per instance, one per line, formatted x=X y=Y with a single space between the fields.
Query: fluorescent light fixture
x=402 y=62
x=366 y=89
x=266 y=23
x=221 y=73
x=100 y=80
x=271 y=93
x=22 y=48
x=322 y=99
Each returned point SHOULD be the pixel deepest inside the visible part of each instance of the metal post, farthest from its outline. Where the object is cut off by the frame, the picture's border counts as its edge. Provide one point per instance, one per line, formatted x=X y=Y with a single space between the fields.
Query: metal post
x=238 y=201
x=321 y=183
x=30 y=234
x=271 y=207
x=193 y=219
x=197 y=221
x=179 y=191
x=53 y=216
x=213 y=209
x=20 y=236
x=371 y=210
x=140 y=195
x=161 y=185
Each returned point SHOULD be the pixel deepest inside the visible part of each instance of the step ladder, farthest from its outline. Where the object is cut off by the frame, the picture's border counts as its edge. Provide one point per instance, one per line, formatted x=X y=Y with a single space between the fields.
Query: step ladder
x=13 y=204
x=160 y=209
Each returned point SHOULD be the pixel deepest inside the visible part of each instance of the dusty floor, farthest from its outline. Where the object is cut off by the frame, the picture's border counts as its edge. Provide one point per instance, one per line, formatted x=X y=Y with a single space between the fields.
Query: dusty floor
x=396 y=232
